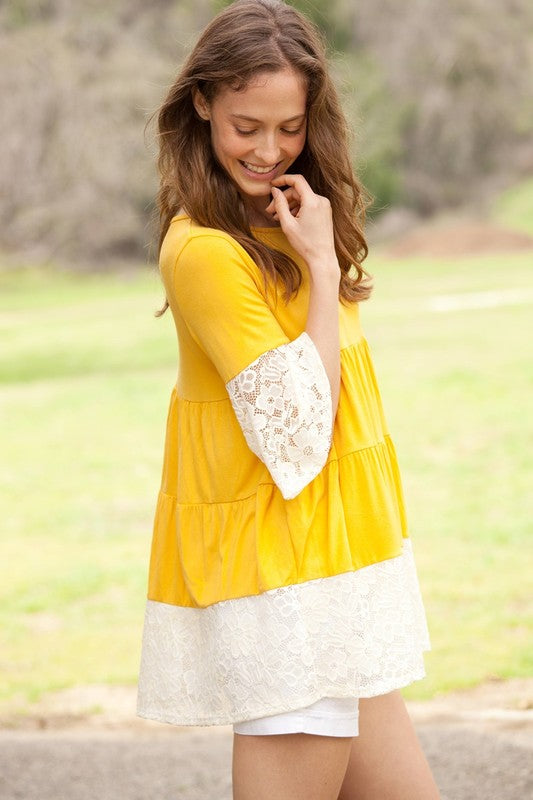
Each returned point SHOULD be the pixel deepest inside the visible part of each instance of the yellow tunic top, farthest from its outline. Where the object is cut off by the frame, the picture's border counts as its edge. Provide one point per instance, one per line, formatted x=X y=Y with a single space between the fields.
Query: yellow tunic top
x=222 y=528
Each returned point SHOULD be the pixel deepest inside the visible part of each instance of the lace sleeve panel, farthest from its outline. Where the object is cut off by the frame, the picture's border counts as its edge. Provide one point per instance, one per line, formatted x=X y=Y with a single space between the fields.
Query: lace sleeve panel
x=282 y=401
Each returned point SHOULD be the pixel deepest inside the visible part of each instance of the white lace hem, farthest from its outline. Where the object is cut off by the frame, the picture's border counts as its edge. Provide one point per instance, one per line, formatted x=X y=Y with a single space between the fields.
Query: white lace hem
x=282 y=402
x=357 y=634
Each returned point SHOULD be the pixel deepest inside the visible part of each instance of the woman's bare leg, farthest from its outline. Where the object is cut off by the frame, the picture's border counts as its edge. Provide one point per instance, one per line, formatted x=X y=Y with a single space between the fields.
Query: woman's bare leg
x=289 y=766
x=386 y=760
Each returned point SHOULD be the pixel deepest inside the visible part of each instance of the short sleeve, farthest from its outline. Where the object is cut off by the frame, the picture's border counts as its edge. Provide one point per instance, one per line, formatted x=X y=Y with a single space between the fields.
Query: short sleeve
x=278 y=388
x=217 y=291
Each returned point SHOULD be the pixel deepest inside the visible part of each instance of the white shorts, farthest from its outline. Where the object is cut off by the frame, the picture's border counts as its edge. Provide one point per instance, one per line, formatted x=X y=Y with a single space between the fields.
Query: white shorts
x=330 y=716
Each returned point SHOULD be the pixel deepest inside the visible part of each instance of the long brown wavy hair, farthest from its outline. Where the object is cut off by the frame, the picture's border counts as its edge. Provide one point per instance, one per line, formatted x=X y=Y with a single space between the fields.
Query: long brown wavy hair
x=246 y=38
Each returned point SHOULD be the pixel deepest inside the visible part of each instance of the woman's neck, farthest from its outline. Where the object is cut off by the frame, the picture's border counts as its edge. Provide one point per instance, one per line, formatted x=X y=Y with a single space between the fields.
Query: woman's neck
x=256 y=214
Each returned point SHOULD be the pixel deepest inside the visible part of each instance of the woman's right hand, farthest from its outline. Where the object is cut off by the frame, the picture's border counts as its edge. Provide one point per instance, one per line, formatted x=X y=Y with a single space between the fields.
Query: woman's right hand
x=310 y=230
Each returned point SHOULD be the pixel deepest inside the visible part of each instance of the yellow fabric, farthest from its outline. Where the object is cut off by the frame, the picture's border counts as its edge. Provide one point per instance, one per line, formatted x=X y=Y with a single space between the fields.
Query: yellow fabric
x=222 y=528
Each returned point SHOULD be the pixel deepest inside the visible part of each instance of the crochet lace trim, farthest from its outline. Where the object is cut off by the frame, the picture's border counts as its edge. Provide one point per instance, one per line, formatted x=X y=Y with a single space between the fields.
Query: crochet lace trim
x=282 y=402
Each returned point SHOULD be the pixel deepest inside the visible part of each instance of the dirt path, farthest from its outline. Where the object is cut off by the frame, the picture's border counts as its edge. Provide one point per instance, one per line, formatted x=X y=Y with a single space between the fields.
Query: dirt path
x=479 y=743
x=456 y=238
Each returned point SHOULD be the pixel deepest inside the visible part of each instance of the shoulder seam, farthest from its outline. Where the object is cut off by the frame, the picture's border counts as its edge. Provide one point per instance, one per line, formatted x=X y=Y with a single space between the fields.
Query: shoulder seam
x=225 y=237
x=203 y=234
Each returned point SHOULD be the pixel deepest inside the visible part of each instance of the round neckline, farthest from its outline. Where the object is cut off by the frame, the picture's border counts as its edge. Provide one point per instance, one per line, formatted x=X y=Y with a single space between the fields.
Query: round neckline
x=267 y=228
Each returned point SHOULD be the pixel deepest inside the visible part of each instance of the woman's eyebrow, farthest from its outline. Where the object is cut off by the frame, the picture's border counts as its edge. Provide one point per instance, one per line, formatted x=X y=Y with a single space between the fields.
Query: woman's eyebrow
x=252 y=119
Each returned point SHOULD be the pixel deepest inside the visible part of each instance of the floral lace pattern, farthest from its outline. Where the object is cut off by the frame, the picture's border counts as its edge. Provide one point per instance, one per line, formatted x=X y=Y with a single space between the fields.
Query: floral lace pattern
x=282 y=402
x=357 y=634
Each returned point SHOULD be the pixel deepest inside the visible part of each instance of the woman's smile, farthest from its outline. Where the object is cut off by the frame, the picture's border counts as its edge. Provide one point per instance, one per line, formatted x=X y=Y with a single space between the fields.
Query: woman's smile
x=257 y=172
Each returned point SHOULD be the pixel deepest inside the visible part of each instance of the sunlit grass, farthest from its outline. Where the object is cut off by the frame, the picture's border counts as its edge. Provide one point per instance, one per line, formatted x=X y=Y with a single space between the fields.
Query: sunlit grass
x=86 y=372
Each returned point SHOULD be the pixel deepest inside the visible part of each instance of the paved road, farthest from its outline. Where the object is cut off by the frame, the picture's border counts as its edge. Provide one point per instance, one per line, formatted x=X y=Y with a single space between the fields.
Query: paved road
x=470 y=762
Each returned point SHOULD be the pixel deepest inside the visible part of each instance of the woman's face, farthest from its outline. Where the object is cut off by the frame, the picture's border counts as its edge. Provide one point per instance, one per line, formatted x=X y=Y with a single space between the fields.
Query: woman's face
x=259 y=132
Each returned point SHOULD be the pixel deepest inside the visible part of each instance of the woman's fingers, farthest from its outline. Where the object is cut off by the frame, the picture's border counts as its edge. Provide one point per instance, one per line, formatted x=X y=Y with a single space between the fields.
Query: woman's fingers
x=292 y=199
x=298 y=182
x=306 y=218
x=281 y=206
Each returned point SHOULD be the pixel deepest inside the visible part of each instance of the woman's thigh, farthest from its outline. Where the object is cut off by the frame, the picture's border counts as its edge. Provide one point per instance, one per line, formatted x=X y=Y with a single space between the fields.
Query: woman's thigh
x=289 y=766
x=386 y=760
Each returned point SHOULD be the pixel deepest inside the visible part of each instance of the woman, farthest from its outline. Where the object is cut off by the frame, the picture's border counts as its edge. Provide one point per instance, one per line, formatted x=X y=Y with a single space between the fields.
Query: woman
x=282 y=587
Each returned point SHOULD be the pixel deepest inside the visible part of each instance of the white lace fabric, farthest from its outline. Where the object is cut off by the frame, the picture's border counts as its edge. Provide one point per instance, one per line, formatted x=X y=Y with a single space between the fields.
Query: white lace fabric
x=282 y=402
x=357 y=634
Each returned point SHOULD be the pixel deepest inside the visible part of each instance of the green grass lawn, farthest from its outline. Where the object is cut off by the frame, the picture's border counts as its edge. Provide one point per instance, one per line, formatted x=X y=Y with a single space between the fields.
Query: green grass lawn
x=86 y=372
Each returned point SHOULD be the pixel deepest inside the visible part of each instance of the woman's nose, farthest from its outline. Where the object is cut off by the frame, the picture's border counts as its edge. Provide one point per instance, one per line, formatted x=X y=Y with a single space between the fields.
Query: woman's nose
x=267 y=151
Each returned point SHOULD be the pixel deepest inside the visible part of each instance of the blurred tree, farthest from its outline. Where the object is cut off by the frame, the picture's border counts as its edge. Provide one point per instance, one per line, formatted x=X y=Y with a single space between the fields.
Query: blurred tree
x=438 y=95
x=376 y=118
x=463 y=69
x=78 y=81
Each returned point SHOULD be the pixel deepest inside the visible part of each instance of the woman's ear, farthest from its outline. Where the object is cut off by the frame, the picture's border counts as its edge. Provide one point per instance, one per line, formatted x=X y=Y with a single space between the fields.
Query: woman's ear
x=200 y=103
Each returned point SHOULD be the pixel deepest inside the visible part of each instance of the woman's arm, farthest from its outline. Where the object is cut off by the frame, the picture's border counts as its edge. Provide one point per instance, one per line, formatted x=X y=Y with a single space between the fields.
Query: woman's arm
x=311 y=234
x=323 y=323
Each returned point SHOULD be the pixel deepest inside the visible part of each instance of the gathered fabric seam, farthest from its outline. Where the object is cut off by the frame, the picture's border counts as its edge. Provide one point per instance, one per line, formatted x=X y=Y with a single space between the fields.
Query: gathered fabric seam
x=345 y=572
x=379 y=444
x=353 y=345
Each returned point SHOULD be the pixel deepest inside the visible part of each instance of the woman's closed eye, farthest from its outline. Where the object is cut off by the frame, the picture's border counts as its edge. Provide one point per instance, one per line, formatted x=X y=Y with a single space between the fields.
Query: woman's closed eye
x=283 y=130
